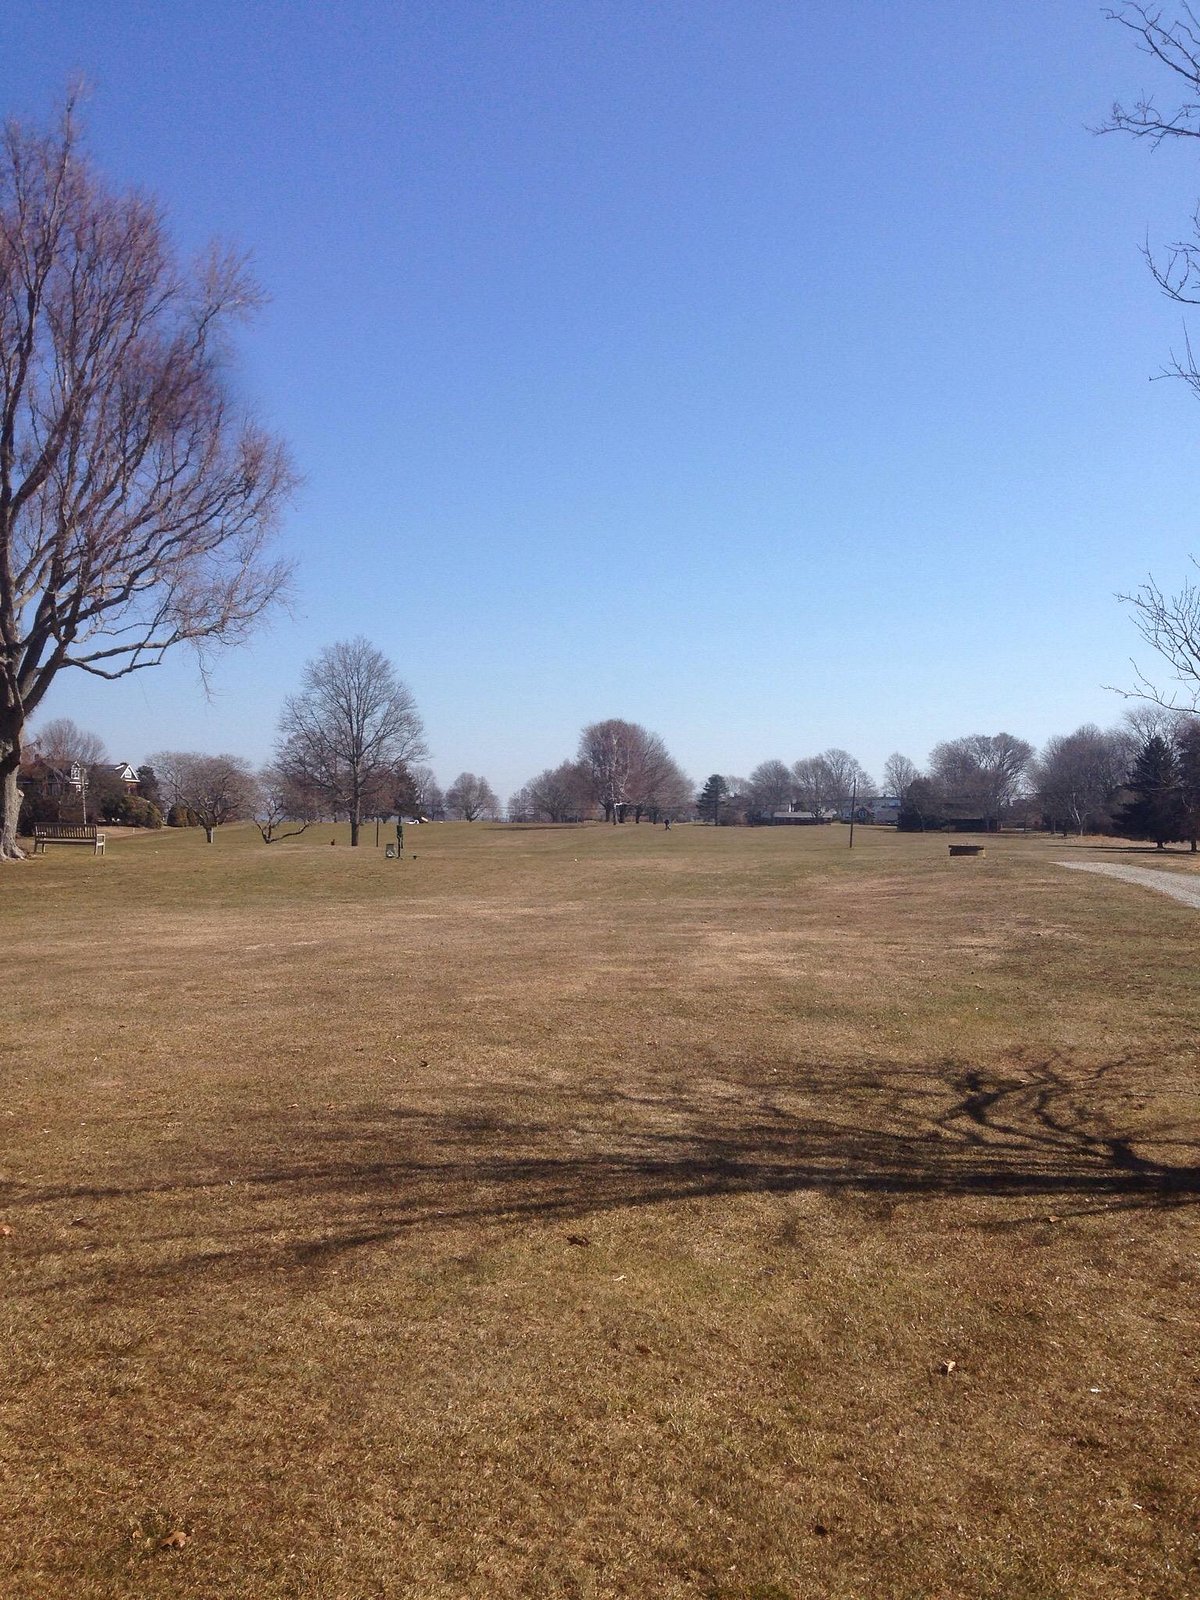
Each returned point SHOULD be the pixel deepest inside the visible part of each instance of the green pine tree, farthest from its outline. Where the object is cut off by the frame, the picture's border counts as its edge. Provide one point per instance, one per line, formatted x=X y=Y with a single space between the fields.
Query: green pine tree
x=708 y=802
x=1156 y=810
x=1187 y=744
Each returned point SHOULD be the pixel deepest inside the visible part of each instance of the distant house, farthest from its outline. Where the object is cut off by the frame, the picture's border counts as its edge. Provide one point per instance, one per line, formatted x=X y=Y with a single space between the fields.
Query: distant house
x=128 y=776
x=798 y=819
x=54 y=781
x=883 y=808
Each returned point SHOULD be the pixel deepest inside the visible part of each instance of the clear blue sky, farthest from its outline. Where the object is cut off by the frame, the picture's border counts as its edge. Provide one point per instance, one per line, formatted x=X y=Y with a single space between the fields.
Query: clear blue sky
x=772 y=374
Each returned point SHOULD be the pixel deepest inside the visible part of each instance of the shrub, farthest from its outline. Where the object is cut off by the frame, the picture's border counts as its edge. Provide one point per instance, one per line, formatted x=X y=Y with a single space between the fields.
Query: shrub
x=131 y=811
x=40 y=808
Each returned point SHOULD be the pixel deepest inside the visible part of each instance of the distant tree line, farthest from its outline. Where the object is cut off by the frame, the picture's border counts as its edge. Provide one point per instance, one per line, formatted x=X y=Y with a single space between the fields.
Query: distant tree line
x=347 y=740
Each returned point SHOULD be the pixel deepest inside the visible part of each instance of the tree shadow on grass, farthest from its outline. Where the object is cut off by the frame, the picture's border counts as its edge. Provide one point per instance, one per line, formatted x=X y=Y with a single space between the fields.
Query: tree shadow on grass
x=370 y=1175
x=1133 y=849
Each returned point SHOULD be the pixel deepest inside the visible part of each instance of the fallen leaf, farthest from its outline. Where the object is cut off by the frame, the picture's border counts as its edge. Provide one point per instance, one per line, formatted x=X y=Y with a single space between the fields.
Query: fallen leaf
x=578 y=1238
x=5 y=1230
x=947 y=1367
x=173 y=1541
x=642 y=1349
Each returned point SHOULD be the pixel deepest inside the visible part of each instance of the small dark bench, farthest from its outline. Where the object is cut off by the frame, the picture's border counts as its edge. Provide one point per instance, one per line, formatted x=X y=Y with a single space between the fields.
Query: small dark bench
x=966 y=849
x=67 y=833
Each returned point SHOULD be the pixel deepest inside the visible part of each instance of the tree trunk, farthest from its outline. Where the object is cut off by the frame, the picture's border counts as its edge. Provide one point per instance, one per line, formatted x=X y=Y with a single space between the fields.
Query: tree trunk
x=10 y=797
x=354 y=827
x=209 y=832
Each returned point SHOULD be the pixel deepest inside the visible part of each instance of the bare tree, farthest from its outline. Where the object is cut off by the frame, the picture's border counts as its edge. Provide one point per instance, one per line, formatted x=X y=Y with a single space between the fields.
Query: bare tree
x=898 y=773
x=1169 y=623
x=845 y=778
x=810 y=777
x=135 y=501
x=519 y=807
x=609 y=751
x=826 y=782
x=980 y=774
x=64 y=743
x=559 y=794
x=282 y=807
x=630 y=769
x=428 y=800
x=771 y=787
x=214 y=789
x=1173 y=41
x=1141 y=721
x=472 y=798
x=658 y=786
x=1078 y=775
x=349 y=729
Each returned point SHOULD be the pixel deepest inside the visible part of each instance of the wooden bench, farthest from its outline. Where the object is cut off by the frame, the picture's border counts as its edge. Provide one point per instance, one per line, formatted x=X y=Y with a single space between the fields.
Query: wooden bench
x=67 y=833
x=966 y=849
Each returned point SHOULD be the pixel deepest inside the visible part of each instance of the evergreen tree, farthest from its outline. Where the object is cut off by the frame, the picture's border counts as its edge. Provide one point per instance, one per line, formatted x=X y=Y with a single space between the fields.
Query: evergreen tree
x=1187 y=743
x=708 y=802
x=1156 y=810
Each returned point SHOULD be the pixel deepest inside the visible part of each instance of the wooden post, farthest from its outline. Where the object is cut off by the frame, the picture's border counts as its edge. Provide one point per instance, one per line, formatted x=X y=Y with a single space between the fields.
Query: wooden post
x=853 y=809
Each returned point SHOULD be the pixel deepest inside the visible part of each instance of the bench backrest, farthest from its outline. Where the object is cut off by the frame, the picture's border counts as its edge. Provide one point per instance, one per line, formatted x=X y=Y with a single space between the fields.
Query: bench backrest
x=64 y=830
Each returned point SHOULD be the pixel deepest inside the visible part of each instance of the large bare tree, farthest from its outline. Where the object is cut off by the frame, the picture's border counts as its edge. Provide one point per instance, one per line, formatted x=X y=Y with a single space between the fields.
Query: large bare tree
x=214 y=789
x=1079 y=774
x=471 y=798
x=846 y=777
x=136 y=501
x=609 y=750
x=350 y=731
x=898 y=773
x=658 y=785
x=63 y=743
x=630 y=769
x=771 y=787
x=980 y=774
x=827 y=782
x=559 y=794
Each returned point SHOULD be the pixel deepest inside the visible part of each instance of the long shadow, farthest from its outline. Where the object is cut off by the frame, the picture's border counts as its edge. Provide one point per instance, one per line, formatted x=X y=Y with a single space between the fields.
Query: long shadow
x=1132 y=849
x=373 y=1174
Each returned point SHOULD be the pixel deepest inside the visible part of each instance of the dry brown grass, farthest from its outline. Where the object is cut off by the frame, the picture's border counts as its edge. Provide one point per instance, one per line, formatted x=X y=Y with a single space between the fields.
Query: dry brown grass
x=594 y=1212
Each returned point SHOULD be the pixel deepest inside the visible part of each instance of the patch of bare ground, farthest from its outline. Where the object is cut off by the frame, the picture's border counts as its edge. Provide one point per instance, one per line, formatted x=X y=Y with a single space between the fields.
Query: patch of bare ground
x=596 y=1212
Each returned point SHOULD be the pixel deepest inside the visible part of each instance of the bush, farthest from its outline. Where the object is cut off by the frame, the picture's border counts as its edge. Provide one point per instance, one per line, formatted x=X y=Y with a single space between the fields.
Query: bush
x=131 y=811
x=180 y=817
x=40 y=809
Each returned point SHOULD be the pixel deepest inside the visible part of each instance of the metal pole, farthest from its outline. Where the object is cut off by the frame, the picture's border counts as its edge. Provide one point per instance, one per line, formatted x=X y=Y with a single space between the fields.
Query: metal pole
x=853 y=809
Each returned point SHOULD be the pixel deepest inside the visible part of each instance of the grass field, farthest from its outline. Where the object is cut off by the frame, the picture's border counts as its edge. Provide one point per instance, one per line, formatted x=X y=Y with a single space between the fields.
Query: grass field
x=597 y=1212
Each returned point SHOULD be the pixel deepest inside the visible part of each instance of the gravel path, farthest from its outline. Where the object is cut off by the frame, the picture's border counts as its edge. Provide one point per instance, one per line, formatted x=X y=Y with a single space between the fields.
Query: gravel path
x=1178 y=885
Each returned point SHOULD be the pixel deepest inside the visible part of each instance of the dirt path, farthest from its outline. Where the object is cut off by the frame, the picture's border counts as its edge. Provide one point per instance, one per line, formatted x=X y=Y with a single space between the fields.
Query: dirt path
x=1175 y=884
